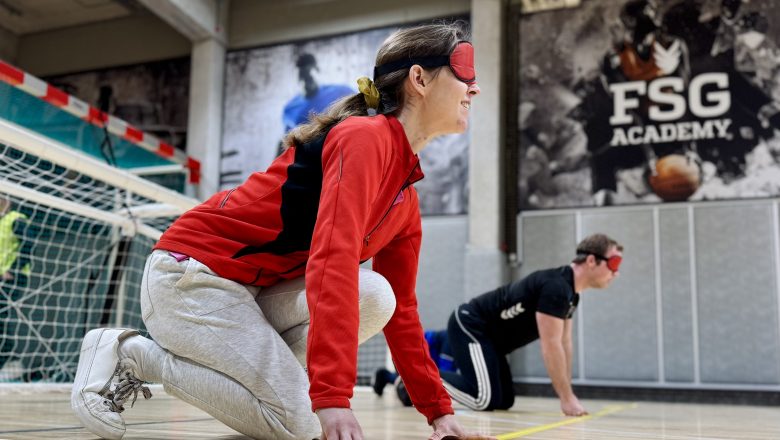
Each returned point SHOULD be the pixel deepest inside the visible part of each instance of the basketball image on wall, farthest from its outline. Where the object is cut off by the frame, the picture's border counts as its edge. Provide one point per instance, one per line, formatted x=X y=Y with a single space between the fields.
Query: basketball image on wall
x=646 y=101
x=675 y=178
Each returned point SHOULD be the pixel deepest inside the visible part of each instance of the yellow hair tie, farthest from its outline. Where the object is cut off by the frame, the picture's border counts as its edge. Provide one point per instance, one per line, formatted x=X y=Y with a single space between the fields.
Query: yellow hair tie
x=369 y=91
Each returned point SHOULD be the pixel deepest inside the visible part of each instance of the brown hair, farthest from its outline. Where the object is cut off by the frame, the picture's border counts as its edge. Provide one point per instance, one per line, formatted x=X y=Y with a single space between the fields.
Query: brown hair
x=420 y=41
x=597 y=244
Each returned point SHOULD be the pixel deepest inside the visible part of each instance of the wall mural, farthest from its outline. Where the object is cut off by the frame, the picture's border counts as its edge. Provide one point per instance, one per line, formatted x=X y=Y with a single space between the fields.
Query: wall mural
x=642 y=101
x=269 y=90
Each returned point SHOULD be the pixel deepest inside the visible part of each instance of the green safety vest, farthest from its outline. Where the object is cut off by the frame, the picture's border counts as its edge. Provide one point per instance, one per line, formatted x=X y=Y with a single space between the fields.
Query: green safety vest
x=9 y=242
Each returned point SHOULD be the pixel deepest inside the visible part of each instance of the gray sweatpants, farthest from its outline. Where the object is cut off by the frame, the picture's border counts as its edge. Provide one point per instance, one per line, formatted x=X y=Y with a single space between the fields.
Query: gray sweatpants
x=237 y=352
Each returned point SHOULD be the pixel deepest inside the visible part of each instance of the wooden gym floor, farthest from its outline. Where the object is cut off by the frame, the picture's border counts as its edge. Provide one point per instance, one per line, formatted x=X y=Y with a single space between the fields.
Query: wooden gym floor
x=45 y=414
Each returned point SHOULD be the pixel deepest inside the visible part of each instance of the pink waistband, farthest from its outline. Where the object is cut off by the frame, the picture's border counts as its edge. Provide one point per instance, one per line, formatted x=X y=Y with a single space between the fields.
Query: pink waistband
x=179 y=257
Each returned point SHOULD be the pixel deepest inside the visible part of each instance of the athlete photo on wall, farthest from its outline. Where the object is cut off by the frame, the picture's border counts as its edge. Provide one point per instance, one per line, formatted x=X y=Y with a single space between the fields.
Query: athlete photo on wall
x=647 y=101
x=271 y=89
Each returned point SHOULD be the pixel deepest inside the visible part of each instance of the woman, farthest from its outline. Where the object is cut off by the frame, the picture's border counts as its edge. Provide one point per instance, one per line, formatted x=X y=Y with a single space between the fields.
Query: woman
x=223 y=292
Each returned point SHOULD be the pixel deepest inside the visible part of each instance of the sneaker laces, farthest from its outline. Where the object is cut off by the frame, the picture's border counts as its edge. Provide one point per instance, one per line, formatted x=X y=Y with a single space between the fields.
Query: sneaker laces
x=126 y=384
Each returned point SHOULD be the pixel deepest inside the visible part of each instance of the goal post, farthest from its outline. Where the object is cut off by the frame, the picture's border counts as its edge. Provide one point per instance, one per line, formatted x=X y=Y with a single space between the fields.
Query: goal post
x=81 y=232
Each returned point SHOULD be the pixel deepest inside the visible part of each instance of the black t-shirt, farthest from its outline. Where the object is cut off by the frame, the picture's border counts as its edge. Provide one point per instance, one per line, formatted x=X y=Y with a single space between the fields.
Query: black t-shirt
x=509 y=312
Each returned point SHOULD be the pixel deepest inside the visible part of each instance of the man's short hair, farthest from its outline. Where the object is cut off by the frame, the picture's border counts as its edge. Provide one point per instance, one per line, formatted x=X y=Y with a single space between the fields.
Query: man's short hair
x=595 y=244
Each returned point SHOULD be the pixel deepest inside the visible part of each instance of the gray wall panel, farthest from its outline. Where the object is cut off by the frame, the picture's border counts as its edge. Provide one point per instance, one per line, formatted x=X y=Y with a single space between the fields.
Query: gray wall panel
x=546 y=241
x=737 y=294
x=620 y=322
x=440 y=274
x=728 y=325
x=527 y=362
x=676 y=295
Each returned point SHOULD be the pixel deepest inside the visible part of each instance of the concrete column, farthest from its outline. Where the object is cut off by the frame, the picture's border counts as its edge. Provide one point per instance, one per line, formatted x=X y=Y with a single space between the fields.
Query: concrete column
x=204 y=22
x=485 y=263
x=204 y=129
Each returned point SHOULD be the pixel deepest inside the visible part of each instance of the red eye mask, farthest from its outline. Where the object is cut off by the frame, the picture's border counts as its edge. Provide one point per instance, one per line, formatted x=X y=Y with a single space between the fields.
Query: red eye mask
x=613 y=262
x=460 y=61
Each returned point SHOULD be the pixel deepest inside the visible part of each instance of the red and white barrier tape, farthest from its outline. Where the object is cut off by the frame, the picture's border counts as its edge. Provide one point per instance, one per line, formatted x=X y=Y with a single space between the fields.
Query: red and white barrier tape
x=39 y=88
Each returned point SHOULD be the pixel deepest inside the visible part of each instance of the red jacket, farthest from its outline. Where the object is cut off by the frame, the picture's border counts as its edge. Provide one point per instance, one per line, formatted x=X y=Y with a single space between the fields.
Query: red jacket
x=321 y=209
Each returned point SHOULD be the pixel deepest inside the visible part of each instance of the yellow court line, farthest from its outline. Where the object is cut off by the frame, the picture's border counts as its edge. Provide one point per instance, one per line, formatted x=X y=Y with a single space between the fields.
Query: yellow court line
x=607 y=410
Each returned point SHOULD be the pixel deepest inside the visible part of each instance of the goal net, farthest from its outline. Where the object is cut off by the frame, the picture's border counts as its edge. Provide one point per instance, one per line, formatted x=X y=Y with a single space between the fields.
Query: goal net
x=80 y=235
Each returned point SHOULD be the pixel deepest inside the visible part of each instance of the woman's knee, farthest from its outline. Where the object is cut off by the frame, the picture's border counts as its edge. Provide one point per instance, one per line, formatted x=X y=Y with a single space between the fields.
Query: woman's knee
x=376 y=295
x=377 y=303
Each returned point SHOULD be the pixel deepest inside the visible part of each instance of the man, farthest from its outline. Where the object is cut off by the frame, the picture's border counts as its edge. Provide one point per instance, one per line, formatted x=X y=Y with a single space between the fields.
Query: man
x=484 y=330
x=14 y=272
x=315 y=98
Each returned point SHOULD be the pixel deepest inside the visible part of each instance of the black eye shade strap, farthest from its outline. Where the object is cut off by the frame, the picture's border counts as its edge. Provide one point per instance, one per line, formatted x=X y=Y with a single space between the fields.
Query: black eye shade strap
x=409 y=62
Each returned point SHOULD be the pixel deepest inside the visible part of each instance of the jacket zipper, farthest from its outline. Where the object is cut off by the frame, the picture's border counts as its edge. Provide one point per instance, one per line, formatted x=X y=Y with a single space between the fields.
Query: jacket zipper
x=227 y=196
x=403 y=187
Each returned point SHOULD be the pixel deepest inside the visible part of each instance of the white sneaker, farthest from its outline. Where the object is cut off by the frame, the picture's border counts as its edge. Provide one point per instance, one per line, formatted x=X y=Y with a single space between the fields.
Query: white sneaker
x=96 y=403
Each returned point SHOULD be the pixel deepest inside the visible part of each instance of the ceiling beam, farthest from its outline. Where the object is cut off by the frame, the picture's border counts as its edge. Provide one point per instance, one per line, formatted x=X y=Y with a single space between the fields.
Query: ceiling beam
x=197 y=20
